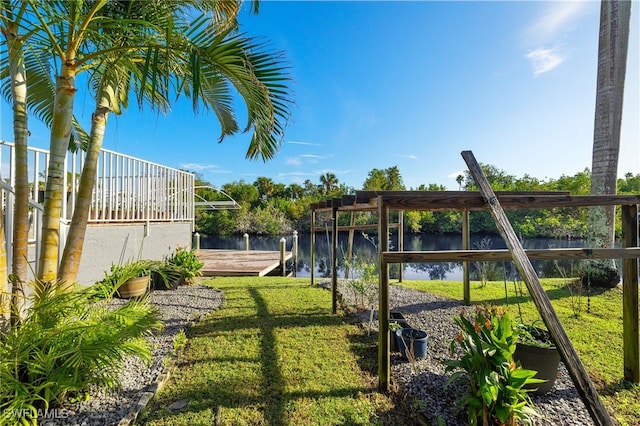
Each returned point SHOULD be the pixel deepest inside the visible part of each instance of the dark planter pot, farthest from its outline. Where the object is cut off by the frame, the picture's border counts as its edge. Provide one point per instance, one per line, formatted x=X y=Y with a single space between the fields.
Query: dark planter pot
x=543 y=360
x=157 y=283
x=396 y=318
x=413 y=341
x=133 y=287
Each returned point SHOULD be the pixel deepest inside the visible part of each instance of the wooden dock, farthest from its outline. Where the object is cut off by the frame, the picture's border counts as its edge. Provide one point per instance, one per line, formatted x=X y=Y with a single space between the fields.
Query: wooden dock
x=236 y=263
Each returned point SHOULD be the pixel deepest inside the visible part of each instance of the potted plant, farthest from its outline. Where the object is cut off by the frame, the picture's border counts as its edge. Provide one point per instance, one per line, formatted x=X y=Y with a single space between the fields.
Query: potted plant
x=396 y=322
x=188 y=263
x=412 y=343
x=165 y=275
x=130 y=279
x=535 y=350
x=496 y=392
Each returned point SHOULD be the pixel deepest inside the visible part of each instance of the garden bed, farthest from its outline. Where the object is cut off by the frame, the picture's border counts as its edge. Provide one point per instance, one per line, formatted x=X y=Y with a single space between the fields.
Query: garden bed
x=423 y=382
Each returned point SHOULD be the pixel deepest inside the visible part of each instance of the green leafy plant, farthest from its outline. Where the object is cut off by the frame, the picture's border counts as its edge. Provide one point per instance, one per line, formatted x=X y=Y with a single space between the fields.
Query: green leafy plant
x=187 y=261
x=66 y=343
x=495 y=393
x=532 y=334
x=165 y=275
x=119 y=274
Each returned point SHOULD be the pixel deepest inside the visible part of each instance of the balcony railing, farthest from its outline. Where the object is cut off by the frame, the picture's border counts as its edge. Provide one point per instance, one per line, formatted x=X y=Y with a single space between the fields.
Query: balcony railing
x=127 y=189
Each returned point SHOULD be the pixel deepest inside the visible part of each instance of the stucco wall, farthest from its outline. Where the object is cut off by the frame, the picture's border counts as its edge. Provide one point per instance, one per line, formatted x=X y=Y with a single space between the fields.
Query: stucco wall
x=106 y=244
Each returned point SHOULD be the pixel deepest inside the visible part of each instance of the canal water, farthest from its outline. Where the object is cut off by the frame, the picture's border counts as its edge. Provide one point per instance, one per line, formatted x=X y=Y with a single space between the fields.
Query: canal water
x=365 y=247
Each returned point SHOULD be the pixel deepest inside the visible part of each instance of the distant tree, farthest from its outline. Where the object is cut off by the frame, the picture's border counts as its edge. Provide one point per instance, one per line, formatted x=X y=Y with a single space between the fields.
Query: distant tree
x=244 y=193
x=294 y=191
x=310 y=188
x=460 y=180
x=330 y=182
x=630 y=184
x=612 y=62
x=266 y=187
x=388 y=179
x=394 y=179
x=498 y=179
x=376 y=181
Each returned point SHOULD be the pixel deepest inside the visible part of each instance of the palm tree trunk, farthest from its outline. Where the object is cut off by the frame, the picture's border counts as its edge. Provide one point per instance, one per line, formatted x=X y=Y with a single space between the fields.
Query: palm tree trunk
x=21 y=199
x=4 y=278
x=54 y=190
x=612 y=61
x=72 y=254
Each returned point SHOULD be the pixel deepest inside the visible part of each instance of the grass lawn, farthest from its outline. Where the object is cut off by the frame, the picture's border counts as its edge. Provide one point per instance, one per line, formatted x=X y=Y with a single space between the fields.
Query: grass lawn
x=274 y=355
x=593 y=324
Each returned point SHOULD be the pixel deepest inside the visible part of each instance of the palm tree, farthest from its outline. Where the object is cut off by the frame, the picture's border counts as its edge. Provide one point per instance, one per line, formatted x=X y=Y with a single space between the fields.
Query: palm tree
x=612 y=61
x=206 y=64
x=11 y=15
x=329 y=181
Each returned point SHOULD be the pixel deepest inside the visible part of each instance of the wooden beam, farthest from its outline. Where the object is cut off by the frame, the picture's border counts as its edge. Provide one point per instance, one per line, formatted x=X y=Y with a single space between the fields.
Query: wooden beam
x=384 y=356
x=504 y=254
x=630 y=317
x=474 y=201
x=313 y=248
x=334 y=261
x=466 y=245
x=357 y=227
x=569 y=355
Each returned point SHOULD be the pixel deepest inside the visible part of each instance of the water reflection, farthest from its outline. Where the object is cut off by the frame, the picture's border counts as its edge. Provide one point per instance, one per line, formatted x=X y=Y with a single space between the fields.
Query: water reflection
x=367 y=248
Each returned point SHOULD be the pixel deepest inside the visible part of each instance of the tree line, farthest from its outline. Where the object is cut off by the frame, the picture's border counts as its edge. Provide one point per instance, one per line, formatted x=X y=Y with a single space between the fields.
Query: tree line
x=271 y=208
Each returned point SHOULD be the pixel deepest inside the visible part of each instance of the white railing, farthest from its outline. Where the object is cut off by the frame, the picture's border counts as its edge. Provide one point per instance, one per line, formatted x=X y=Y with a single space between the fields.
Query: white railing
x=127 y=189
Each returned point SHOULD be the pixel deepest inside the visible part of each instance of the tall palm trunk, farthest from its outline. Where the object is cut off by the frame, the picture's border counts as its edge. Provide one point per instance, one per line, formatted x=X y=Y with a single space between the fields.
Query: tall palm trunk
x=4 y=278
x=21 y=199
x=72 y=254
x=612 y=60
x=54 y=190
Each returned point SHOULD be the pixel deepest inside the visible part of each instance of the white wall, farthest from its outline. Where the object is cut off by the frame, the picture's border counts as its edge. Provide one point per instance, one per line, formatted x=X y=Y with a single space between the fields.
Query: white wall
x=106 y=244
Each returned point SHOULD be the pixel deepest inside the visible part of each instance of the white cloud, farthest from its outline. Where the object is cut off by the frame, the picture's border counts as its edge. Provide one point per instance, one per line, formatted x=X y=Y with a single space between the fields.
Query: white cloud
x=556 y=20
x=295 y=174
x=304 y=143
x=196 y=167
x=544 y=60
x=299 y=160
x=410 y=156
x=293 y=161
x=558 y=17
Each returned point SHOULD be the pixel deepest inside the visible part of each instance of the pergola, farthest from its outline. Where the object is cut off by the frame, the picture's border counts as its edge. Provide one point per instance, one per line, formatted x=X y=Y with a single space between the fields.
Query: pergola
x=382 y=202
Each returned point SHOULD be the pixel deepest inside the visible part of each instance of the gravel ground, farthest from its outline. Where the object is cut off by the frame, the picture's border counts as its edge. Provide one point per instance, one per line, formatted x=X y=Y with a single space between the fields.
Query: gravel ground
x=178 y=308
x=422 y=382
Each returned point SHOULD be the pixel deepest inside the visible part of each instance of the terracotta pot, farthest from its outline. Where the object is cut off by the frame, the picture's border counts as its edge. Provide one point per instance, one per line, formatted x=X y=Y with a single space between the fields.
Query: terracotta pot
x=133 y=287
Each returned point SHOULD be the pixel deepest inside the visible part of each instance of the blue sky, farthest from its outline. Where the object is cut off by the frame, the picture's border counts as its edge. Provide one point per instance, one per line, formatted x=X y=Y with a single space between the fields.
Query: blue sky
x=407 y=84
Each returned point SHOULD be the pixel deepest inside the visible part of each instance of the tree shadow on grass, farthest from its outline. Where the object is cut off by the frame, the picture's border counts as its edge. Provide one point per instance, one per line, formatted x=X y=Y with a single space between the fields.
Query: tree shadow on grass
x=270 y=396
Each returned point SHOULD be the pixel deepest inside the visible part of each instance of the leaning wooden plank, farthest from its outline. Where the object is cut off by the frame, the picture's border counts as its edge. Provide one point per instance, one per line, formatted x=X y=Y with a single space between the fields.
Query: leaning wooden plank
x=569 y=355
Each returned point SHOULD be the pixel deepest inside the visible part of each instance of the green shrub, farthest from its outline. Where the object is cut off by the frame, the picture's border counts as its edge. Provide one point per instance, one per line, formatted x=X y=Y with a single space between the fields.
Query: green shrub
x=66 y=343
x=495 y=393
x=187 y=261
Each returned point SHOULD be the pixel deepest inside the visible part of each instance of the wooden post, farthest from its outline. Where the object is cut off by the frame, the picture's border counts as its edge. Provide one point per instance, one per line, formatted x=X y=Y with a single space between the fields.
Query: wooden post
x=347 y=268
x=312 y=249
x=334 y=260
x=630 y=336
x=400 y=241
x=384 y=356
x=283 y=264
x=569 y=355
x=466 y=245
x=294 y=249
